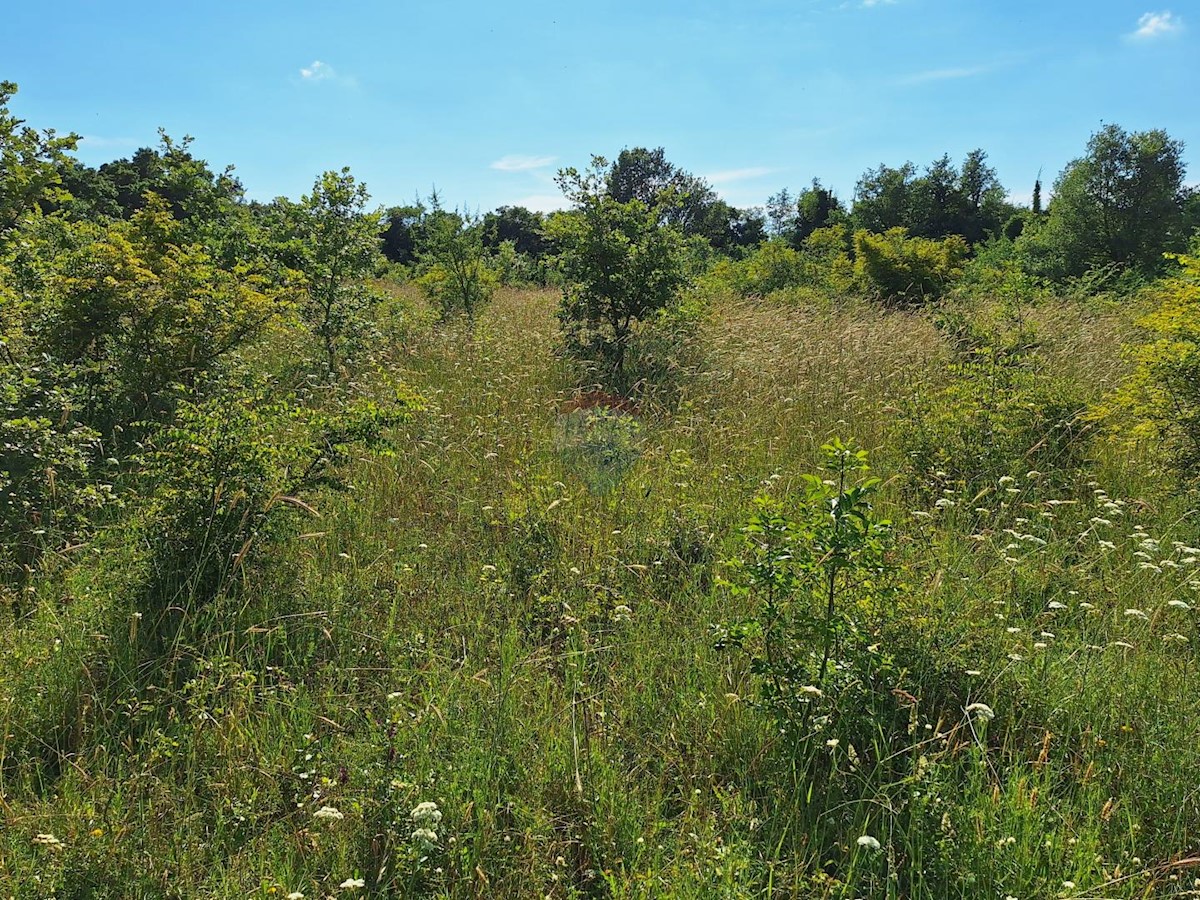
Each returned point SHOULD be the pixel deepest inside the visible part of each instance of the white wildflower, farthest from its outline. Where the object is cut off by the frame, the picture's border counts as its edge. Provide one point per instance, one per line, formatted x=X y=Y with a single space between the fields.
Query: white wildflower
x=980 y=711
x=352 y=884
x=328 y=813
x=869 y=843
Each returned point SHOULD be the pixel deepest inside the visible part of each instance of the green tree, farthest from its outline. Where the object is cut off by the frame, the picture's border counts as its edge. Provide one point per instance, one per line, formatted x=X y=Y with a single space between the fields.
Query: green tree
x=31 y=164
x=402 y=233
x=523 y=227
x=620 y=263
x=883 y=198
x=1121 y=204
x=341 y=249
x=457 y=275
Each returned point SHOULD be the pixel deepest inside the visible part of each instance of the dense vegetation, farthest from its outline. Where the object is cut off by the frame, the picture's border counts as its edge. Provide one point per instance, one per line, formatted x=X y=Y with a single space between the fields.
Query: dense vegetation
x=650 y=549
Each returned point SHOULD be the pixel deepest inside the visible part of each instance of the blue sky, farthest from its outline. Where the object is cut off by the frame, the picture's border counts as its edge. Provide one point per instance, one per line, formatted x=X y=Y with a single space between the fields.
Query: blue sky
x=487 y=100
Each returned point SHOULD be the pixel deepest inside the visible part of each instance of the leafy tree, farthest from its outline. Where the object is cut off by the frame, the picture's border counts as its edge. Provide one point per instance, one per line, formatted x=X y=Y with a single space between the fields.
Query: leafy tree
x=817 y=207
x=518 y=225
x=983 y=198
x=137 y=311
x=781 y=213
x=457 y=275
x=341 y=250
x=681 y=199
x=1121 y=204
x=402 y=233
x=620 y=263
x=30 y=164
x=883 y=198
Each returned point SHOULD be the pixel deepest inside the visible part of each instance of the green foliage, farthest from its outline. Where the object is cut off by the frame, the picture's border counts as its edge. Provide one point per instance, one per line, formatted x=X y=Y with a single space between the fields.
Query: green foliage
x=819 y=581
x=1121 y=204
x=230 y=469
x=621 y=268
x=946 y=200
x=458 y=276
x=51 y=471
x=138 y=314
x=996 y=419
x=903 y=269
x=1160 y=399
x=29 y=165
x=339 y=243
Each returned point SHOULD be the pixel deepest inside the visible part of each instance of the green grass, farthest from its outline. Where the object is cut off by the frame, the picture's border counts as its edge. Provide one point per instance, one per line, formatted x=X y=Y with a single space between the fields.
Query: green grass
x=493 y=621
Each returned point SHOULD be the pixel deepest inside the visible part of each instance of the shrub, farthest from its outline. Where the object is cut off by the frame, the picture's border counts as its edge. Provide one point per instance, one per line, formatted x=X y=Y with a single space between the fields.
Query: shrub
x=900 y=269
x=457 y=275
x=1160 y=399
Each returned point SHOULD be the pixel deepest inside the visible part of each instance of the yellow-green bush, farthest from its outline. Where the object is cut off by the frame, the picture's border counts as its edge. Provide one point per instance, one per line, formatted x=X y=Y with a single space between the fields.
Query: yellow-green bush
x=905 y=269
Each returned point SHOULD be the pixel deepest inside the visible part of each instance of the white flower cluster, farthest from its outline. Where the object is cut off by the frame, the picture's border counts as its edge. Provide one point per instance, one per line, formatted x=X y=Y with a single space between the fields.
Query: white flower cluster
x=426 y=817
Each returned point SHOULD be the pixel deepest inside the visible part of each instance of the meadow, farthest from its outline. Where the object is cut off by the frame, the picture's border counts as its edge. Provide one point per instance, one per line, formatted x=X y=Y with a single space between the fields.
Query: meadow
x=547 y=648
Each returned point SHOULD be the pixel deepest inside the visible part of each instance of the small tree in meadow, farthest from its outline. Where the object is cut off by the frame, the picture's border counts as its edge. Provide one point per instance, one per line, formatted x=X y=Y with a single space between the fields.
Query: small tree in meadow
x=621 y=267
x=341 y=242
x=458 y=276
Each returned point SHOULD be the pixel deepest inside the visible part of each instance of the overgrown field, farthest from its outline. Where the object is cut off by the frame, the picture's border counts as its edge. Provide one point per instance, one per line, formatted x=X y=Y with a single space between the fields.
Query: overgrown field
x=545 y=615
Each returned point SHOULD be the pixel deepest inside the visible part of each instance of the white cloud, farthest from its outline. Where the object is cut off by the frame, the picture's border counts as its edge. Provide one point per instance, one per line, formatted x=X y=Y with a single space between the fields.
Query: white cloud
x=515 y=162
x=945 y=74
x=1157 y=24
x=318 y=71
x=544 y=202
x=732 y=175
x=870 y=3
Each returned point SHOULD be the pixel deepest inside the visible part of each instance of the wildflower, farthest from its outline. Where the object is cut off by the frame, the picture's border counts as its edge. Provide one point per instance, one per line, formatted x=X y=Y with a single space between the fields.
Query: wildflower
x=426 y=813
x=810 y=690
x=1040 y=645
x=832 y=742
x=1179 y=604
x=295 y=895
x=1069 y=885
x=1107 y=545
x=352 y=884
x=328 y=813
x=622 y=613
x=424 y=836
x=1085 y=605
x=981 y=711
x=869 y=843
x=1054 y=604
x=47 y=840
x=1136 y=614
x=1125 y=644
x=974 y=672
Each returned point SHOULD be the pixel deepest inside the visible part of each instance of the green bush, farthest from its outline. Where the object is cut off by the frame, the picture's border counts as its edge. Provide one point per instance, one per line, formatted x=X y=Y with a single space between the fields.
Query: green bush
x=902 y=269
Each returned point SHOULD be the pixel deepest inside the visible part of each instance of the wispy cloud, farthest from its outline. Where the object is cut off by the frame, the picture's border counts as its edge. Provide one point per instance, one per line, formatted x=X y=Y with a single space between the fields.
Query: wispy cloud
x=1156 y=25
x=730 y=176
x=944 y=74
x=323 y=71
x=515 y=162
x=869 y=3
